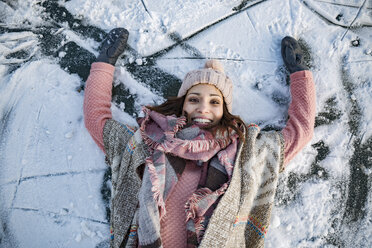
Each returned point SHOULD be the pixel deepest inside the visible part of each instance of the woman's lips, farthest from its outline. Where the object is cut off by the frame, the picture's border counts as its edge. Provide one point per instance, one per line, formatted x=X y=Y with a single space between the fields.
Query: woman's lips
x=201 y=121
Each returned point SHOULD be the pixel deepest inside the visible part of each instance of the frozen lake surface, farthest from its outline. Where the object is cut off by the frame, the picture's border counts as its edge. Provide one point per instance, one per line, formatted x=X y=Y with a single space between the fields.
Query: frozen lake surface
x=54 y=183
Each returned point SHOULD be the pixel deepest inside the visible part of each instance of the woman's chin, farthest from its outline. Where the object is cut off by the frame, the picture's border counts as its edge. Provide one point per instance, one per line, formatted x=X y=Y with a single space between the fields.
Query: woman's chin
x=203 y=125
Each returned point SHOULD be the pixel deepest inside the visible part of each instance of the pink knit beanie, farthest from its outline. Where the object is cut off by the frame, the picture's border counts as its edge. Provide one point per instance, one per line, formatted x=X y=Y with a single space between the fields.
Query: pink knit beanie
x=212 y=73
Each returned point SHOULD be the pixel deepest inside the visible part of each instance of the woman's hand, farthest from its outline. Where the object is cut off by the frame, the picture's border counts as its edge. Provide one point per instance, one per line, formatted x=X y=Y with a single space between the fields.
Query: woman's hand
x=292 y=55
x=113 y=46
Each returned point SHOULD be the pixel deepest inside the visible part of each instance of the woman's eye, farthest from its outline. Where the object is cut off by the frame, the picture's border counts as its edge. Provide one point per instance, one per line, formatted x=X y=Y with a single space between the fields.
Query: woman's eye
x=193 y=100
x=215 y=102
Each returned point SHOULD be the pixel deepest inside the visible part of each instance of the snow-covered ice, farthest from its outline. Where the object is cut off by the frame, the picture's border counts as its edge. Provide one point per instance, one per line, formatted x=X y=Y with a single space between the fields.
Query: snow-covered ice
x=53 y=178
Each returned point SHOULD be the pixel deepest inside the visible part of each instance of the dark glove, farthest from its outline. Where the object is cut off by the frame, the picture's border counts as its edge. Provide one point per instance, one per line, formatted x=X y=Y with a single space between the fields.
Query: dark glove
x=292 y=55
x=113 y=46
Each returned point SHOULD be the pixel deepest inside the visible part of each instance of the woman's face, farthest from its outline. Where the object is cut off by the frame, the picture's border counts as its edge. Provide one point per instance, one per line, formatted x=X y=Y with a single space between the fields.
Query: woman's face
x=203 y=105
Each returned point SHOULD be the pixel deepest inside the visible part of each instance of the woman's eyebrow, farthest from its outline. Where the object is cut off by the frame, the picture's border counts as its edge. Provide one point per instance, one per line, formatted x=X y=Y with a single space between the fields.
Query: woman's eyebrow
x=198 y=94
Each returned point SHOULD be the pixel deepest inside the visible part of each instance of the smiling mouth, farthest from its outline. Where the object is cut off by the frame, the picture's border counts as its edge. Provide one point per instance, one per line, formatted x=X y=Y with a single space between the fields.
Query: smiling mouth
x=201 y=121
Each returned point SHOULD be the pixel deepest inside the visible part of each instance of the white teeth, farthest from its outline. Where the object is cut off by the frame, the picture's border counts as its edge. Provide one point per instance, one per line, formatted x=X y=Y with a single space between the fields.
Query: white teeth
x=202 y=120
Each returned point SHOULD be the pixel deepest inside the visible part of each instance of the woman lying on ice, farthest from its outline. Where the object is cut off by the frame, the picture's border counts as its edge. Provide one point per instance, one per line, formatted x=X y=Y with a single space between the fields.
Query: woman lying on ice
x=193 y=174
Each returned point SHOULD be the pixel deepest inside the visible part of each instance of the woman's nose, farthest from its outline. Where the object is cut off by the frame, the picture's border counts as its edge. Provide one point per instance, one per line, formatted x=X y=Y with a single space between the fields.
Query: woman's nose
x=203 y=108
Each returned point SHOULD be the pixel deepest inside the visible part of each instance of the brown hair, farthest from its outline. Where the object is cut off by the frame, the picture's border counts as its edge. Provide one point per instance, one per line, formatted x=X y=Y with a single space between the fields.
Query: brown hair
x=174 y=105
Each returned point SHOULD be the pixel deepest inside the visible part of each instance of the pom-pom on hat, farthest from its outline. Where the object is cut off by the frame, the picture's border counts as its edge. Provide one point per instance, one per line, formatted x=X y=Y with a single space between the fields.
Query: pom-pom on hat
x=212 y=73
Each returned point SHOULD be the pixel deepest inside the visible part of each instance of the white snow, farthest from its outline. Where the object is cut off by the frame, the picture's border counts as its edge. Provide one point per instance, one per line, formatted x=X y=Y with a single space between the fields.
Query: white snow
x=51 y=170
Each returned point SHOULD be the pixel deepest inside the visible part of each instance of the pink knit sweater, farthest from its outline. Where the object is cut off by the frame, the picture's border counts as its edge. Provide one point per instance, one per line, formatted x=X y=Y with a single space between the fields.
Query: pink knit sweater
x=297 y=133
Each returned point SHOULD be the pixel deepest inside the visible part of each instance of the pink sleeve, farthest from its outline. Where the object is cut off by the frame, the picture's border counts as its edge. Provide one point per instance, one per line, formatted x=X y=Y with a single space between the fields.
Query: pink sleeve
x=300 y=126
x=97 y=100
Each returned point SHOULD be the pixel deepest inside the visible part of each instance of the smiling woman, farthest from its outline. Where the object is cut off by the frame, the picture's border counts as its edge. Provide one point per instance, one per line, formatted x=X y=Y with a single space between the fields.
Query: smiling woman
x=205 y=99
x=193 y=174
x=203 y=105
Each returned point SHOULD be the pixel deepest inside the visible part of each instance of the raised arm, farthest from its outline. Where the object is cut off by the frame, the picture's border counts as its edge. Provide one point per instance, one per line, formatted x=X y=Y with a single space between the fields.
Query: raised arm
x=97 y=100
x=300 y=126
x=98 y=88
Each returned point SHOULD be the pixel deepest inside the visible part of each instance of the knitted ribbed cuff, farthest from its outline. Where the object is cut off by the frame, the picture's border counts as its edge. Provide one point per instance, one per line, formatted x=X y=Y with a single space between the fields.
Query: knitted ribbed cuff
x=104 y=67
x=301 y=75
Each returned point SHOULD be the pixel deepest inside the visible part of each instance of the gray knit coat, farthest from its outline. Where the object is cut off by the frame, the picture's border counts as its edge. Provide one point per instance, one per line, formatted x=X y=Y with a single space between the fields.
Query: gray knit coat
x=242 y=216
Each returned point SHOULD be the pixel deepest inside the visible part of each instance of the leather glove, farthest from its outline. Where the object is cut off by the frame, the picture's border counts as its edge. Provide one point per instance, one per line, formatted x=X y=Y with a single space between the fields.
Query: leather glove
x=292 y=55
x=113 y=46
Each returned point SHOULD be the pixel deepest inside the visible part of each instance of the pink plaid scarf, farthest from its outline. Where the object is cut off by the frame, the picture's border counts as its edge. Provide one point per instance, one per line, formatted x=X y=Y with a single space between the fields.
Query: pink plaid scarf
x=168 y=135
